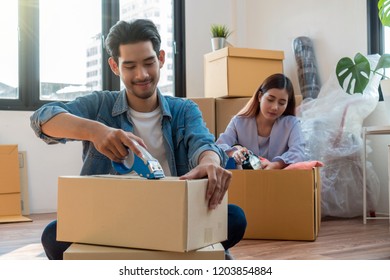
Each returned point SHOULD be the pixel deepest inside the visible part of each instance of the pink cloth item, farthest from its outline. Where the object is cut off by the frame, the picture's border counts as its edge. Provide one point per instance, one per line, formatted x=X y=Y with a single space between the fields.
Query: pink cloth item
x=304 y=165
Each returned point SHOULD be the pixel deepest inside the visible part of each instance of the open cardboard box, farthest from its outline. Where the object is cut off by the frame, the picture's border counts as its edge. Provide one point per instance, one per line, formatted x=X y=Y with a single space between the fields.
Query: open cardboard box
x=278 y=204
x=128 y=211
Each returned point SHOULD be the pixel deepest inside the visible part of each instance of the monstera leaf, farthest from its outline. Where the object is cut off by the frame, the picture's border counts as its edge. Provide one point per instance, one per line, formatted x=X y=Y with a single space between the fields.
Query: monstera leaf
x=384 y=12
x=353 y=76
x=384 y=62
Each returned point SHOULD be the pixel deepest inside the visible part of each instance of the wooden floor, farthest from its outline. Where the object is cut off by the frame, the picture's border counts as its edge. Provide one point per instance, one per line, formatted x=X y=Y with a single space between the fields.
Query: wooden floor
x=338 y=239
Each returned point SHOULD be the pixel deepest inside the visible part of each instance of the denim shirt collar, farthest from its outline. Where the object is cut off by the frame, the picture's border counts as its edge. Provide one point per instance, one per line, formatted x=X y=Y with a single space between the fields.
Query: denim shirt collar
x=121 y=106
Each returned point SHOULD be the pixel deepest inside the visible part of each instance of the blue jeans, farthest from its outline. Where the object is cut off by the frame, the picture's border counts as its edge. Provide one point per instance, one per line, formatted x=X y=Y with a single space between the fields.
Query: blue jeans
x=236 y=228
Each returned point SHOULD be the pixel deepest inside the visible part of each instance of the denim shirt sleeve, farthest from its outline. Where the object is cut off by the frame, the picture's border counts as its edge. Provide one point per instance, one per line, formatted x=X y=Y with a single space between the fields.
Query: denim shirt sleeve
x=40 y=117
x=201 y=139
x=78 y=107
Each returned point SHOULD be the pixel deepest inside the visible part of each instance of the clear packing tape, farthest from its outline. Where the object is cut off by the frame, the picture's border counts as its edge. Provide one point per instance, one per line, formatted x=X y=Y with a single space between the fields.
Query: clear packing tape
x=332 y=126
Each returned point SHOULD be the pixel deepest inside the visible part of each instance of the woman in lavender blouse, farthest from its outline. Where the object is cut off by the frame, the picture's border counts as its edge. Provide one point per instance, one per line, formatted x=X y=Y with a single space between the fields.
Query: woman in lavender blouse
x=267 y=126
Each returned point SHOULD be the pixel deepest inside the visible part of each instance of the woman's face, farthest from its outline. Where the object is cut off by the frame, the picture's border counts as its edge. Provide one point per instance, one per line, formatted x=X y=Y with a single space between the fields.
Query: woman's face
x=273 y=103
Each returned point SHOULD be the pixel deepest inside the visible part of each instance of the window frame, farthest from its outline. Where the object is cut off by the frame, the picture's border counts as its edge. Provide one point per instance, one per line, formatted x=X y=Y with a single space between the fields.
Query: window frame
x=29 y=80
x=375 y=33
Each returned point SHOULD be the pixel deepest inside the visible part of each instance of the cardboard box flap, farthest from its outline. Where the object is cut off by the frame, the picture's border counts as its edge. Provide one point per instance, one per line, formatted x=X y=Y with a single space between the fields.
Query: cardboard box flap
x=317 y=198
x=245 y=53
x=203 y=222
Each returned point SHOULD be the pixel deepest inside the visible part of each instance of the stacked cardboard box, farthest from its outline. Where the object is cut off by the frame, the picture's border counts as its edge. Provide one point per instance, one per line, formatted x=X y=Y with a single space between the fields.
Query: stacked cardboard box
x=207 y=107
x=97 y=252
x=128 y=211
x=10 y=195
x=217 y=112
x=238 y=72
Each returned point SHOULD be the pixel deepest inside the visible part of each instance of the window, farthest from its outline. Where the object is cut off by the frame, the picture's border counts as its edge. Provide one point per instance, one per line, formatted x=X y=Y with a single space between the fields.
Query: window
x=54 y=48
x=161 y=13
x=69 y=48
x=9 y=50
x=376 y=36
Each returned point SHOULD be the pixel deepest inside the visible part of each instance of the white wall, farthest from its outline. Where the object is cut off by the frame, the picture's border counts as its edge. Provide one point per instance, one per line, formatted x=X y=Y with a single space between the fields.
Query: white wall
x=44 y=162
x=335 y=31
x=336 y=28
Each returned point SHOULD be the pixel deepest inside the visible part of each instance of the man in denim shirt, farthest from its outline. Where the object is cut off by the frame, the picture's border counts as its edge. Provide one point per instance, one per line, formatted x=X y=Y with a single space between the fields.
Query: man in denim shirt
x=171 y=128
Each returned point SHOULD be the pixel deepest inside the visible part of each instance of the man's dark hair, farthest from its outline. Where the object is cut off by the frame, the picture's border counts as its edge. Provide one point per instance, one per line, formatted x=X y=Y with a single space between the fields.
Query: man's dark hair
x=125 y=32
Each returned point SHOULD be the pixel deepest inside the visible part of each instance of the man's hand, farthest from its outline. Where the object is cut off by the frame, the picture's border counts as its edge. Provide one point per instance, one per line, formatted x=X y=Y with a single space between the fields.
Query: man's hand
x=218 y=177
x=114 y=143
x=111 y=142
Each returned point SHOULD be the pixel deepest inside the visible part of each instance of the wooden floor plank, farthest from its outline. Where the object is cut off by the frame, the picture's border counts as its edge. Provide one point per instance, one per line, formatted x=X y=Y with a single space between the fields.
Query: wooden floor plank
x=338 y=239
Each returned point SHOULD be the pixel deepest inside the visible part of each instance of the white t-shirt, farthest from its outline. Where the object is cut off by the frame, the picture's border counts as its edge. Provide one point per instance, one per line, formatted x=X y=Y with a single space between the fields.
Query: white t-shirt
x=148 y=127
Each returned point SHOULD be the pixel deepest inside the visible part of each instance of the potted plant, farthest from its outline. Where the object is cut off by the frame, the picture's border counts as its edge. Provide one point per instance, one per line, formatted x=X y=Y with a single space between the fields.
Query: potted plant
x=354 y=75
x=219 y=34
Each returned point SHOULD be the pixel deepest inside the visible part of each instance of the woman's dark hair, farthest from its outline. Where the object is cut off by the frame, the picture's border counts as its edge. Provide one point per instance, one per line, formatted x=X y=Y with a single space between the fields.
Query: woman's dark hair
x=125 y=32
x=279 y=81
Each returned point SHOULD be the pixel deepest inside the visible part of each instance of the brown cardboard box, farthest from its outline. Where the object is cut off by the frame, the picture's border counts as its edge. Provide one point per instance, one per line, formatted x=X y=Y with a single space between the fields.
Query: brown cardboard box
x=225 y=109
x=238 y=72
x=298 y=100
x=10 y=196
x=10 y=204
x=278 y=204
x=94 y=252
x=207 y=107
x=9 y=169
x=128 y=211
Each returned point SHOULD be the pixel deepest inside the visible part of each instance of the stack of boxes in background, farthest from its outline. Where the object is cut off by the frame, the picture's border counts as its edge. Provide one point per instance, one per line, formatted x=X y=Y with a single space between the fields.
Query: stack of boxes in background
x=129 y=217
x=10 y=187
x=279 y=204
x=232 y=75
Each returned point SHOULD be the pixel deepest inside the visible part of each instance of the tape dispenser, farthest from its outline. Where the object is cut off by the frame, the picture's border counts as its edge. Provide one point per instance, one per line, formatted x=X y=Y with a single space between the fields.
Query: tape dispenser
x=251 y=161
x=146 y=166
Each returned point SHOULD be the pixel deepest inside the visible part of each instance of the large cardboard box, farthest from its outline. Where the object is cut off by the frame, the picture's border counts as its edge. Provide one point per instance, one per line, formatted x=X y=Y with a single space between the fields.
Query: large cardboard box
x=10 y=195
x=207 y=107
x=94 y=252
x=9 y=169
x=10 y=204
x=238 y=72
x=278 y=204
x=128 y=211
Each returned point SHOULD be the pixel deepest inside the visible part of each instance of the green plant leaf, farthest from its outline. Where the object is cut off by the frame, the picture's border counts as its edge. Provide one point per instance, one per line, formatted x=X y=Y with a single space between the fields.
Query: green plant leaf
x=384 y=62
x=218 y=30
x=355 y=73
x=384 y=12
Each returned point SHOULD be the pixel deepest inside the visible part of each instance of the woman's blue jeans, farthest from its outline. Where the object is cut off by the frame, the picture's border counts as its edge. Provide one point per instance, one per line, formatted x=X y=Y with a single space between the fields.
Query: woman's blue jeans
x=236 y=228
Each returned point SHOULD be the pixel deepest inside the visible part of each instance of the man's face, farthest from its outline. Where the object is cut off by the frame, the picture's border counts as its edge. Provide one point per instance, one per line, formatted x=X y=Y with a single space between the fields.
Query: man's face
x=139 y=68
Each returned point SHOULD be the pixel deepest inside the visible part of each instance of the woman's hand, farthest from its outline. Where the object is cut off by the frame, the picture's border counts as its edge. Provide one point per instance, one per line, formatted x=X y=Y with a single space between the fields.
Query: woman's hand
x=239 y=155
x=267 y=165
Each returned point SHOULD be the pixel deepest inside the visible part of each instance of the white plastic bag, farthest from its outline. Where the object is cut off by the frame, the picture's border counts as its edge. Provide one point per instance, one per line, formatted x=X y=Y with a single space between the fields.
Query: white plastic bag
x=332 y=125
